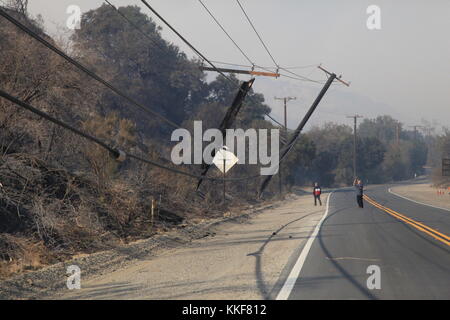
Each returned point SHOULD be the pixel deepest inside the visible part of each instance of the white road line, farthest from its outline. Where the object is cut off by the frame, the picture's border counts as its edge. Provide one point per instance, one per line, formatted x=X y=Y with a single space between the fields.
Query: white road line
x=425 y=204
x=295 y=272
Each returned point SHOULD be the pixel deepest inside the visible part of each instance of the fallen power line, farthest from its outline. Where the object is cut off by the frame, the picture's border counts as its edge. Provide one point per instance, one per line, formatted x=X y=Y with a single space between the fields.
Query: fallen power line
x=118 y=154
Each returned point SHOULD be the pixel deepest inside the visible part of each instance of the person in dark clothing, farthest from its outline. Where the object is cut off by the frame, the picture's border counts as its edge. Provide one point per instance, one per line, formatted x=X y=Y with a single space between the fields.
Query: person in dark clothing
x=359 y=192
x=317 y=191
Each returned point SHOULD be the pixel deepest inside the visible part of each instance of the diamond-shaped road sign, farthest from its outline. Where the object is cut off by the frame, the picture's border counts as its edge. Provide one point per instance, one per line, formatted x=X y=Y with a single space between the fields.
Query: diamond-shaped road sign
x=223 y=156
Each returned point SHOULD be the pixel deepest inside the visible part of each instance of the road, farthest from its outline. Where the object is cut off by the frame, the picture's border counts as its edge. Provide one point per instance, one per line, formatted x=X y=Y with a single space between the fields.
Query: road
x=299 y=251
x=413 y=260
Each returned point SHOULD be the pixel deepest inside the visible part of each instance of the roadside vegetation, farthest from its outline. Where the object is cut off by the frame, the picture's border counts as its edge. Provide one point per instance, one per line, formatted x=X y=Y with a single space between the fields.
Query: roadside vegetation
x=61 y=195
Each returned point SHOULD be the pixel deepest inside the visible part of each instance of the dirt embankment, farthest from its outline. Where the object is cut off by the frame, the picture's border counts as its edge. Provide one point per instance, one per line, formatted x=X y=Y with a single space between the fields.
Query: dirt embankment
x=41 y=283
x=240 y=259
x=245 y=255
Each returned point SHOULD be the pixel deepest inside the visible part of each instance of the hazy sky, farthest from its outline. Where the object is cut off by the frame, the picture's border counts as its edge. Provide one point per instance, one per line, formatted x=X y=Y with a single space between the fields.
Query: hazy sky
x=402 y=70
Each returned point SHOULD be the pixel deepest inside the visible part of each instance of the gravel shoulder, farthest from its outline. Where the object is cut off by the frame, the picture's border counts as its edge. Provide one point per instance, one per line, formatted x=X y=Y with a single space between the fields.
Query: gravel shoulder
x=238 y=259
x=425 y=193
x=45 y=282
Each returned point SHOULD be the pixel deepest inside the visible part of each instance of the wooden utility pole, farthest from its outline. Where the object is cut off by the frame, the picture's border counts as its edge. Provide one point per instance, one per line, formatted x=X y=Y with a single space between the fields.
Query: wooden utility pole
x=152 y=212
x=415 y=131
x=228 y=120
x=224 y=176
x=355 y=117
x=291 y=141
x=238 y=71
x=285 y=100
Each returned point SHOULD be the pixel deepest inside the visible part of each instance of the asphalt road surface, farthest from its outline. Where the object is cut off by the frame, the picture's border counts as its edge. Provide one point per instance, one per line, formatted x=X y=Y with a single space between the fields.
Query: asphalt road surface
x=407 y=242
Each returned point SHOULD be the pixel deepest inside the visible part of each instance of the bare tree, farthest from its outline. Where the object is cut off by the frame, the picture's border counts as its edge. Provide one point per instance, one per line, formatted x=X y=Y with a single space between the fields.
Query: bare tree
x=18 y=5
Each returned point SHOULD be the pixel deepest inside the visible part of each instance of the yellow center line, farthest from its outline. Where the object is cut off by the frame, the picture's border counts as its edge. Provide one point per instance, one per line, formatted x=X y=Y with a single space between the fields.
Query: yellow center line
x=409 y=219
x=420 y=226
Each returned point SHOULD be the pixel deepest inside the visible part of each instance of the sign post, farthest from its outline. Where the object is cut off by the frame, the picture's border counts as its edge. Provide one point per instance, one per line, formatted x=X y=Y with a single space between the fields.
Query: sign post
x=224 y=161
x=224 y=174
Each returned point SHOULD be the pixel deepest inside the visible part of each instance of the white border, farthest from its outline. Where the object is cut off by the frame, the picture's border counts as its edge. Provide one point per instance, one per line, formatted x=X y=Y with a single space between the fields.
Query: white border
x=295 y=272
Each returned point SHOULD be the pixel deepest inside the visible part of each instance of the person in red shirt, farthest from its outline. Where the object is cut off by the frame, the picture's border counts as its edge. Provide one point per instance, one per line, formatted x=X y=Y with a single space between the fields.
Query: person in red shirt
x=317 y=191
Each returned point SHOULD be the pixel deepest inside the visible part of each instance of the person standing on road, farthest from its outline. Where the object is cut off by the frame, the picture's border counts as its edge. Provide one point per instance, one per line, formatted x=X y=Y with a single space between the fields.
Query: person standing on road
x=359 y=192
x=317 y=191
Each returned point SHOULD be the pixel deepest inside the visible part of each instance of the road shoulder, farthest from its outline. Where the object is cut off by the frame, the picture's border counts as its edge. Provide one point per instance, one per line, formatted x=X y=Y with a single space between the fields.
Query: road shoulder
x=238 y=260
x=423 y=193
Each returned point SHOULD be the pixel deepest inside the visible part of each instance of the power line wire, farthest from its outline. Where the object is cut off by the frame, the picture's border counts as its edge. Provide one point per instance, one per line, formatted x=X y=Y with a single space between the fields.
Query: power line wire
x=254 y=29
x=134 y=25
x=58 y=122
x=295 y=74
x=137 y=28
x=228 y=35
x=193 y=48
x=84 y=69
x=302 y=67
x=276 y=121
x=115 y=152
x=201 y=55
x=185 y=40
x=260 y=38
x=302 y=78
x=261 y=67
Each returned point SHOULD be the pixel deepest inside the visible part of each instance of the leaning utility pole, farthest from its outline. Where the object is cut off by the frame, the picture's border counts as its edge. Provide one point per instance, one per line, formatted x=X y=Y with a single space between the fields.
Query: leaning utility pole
x=228 y=120
x=295 y=135
x=285 y=100
x=355 y=117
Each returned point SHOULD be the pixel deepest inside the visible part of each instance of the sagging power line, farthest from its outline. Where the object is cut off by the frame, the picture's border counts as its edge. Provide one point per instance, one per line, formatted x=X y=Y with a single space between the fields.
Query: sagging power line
x=107 y=84
x=153 y=41
x=117 y=154
x=227 y=34
x=214 y=68
x=197 y=52
x=257 y=33
x=84 y=69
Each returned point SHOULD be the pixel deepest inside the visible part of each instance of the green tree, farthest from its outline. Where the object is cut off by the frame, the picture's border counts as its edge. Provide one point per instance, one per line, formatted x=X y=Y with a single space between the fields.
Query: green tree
x=154 y=72
x=382 y=127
